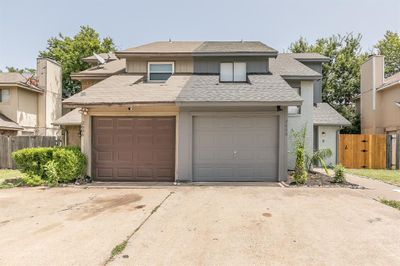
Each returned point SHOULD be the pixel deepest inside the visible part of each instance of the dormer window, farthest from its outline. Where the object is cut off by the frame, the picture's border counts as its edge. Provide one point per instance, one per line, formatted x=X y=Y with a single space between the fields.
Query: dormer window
x=233 y=72
x=159 y=71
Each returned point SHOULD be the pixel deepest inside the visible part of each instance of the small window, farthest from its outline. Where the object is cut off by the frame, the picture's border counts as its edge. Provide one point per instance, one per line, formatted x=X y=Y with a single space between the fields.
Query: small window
x=233 y=72
x=159 y=71
x=295 y=110
x=4 y=95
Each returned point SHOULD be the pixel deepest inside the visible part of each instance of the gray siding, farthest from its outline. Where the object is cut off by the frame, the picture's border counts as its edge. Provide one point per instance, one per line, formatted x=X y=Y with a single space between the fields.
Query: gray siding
x=317 y=66
x=210 y=65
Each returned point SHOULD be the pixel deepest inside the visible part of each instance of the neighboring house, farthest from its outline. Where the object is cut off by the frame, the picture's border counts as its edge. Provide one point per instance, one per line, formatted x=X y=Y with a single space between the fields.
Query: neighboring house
x=380 y=98
x=29 y=105
x=202 y=111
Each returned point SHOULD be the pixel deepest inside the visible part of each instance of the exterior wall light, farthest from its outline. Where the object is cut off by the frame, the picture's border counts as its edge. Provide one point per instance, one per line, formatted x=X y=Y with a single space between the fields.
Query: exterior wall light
x=84 y=111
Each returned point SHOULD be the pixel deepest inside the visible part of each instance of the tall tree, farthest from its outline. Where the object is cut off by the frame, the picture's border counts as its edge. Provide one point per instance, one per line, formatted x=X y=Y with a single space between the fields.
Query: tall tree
x=69 y=51
x=21 y=70
x=389 y=46
x=341 y=76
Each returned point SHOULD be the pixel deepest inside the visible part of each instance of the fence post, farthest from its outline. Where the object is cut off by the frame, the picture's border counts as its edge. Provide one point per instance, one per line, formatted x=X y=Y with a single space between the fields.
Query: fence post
x=398 y=151
x=389 y=151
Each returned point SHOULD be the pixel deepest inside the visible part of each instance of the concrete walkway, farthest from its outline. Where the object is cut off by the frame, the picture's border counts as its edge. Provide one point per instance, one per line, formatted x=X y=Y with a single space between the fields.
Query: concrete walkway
x=374 y=188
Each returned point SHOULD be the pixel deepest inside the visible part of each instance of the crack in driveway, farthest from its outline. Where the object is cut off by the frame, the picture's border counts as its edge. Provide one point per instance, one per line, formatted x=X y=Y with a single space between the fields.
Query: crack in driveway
x=112 y=256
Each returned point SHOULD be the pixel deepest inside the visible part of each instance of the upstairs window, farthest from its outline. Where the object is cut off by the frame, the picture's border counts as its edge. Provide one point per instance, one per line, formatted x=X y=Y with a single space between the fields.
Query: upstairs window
x=295 y=110
x=233 y=72
x=4 y=95
x=159 y=71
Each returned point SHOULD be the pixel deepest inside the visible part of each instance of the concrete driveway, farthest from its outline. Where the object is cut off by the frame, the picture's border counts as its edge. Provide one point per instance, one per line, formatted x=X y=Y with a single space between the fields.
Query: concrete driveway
x=217 y=225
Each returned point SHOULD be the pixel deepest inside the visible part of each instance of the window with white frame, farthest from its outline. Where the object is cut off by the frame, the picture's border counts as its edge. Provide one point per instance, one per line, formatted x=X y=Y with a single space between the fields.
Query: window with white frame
x=159 y=71
x=233 y=72
x=4 y=95
x=295 y=110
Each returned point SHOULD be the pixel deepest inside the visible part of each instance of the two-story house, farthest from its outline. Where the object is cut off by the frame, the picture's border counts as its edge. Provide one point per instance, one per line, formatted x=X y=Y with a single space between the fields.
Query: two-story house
x=30 y=104
x=201 y=111
x=379 y=99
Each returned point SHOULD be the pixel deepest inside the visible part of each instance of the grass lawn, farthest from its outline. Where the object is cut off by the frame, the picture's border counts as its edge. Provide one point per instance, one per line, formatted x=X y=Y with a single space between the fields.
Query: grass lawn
x=388 y=176
x=9 y=174
x=392 y=203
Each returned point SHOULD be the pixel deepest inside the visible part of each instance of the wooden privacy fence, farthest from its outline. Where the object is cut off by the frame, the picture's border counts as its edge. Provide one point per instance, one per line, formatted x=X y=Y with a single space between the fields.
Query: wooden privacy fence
x=368 y=151
x=8 y=144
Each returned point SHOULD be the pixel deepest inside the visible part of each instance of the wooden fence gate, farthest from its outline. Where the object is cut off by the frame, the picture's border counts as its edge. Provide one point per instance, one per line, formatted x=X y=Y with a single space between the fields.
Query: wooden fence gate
x=8 y=144
x=363 y=151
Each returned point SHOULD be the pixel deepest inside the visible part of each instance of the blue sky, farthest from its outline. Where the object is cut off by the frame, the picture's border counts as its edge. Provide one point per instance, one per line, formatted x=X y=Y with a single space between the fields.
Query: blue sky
x=26 y=25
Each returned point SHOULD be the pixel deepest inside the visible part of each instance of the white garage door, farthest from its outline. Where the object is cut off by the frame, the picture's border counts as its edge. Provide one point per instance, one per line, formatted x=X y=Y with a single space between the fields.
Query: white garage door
x=235 y=148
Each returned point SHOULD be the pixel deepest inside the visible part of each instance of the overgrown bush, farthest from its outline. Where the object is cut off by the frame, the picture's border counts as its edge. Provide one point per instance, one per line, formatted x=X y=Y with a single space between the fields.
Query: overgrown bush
x=32 y=180
x=50 y=165
x=300 y=174
x=339 y=174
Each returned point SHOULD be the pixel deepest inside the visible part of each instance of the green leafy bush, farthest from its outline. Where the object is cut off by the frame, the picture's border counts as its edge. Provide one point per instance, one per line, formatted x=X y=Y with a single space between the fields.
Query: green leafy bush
x=32 y=180
x=51 y=165
x=339 y=174
x=300 y=173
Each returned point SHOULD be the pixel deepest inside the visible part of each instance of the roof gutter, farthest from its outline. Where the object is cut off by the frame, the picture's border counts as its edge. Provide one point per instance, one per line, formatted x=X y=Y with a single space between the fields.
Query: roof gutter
x=236 y=104
x=388 y=85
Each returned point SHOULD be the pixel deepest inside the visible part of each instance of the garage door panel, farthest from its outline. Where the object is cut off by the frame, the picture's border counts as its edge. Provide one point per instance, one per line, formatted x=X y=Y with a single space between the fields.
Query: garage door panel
x=133 y=148
x=104 y=123
x=104 y=156
x=235 y=148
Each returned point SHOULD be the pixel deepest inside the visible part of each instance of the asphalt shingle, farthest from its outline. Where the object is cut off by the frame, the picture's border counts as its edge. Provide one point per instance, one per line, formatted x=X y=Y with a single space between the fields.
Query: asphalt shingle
x=286 y=66
x=324 y=114
x=260 y=88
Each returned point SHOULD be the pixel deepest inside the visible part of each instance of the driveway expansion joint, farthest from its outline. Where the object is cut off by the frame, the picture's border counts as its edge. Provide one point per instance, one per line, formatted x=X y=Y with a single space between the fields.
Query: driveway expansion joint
x=138 y=228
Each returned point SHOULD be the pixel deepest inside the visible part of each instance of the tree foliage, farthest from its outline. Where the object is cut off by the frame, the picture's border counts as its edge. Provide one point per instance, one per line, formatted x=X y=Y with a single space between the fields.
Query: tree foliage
x=69 y=51
x=21 y=70
x=341 y=76
x=389 y=46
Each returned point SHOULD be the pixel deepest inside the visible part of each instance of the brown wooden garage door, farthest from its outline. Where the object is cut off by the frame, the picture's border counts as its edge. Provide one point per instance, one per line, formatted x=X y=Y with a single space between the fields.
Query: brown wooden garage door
x=133 y=148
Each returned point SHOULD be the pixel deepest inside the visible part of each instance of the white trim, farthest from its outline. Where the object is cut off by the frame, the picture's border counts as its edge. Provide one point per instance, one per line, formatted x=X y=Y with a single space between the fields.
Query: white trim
x=373 y=85
x=159 y=63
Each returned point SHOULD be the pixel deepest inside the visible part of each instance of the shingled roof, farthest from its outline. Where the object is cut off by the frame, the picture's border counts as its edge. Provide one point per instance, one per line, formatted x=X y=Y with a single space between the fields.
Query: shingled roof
x=113 y=67
x=128 y=89
x=324 y=114
x=71 y=118
x=17 y=79
x=288 y=67
x=200 y=48
x=260 y=88
x=7 y=123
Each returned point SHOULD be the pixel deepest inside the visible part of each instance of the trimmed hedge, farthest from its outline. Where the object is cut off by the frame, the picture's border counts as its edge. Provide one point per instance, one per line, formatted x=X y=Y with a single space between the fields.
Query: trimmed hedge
x=53 y=165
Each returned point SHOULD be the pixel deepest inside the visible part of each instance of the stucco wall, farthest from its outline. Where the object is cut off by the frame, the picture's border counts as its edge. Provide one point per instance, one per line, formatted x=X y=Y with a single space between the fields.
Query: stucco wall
x=27 y=114
x=390 y=113
x=49 y=103
x=88 y=83
x=327 y=140
x=305 y=119
x=73 y=135
x=9 y=108
x=371 y=78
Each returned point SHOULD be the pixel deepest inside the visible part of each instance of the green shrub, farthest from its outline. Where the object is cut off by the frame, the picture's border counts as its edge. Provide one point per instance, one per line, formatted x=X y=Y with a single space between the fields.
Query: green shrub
x=51 y=165
x=300 y=173
x=33 y=160
x=32 y=180
x=339 y=174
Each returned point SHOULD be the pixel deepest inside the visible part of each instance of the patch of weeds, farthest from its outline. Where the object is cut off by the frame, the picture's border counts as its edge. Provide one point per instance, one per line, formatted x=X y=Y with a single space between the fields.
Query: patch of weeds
x=392 y=203
x=118 y=248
